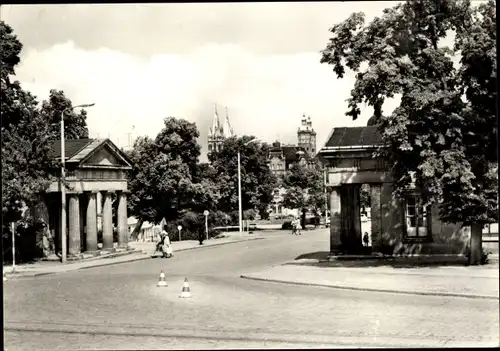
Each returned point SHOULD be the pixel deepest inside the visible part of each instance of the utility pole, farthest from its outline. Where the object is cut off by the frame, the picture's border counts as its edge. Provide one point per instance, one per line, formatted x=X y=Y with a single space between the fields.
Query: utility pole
x=326 y=196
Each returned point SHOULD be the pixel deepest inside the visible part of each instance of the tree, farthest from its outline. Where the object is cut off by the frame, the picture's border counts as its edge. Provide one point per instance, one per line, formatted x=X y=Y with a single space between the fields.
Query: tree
x=305 y=189
x=444 y=129
x=257 y=180
x=161 y=178
x=75 y=124
x=26 y=161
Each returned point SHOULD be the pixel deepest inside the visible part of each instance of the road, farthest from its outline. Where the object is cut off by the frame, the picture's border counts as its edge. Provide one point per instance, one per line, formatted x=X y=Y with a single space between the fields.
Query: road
x=120 y=307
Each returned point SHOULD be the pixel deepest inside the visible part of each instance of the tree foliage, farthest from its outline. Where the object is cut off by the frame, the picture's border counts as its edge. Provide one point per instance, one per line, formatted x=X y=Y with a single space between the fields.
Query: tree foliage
x=161 y=180
x=257 y=180
x=444 y=129
x=305 y=187
x=26 y=164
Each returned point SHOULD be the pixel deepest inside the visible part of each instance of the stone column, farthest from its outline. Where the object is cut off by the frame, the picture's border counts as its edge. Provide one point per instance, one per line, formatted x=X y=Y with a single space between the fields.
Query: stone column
x=387 y=210
x=356 y=218
x=107 y=222
x=122 y=220
x=83 y=206
x=376 y=214
x=91 y=235
x=335 y=221
x=74 y=225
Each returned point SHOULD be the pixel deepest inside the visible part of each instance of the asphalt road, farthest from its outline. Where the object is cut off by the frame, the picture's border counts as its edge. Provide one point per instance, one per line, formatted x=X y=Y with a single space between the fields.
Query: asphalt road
x=120 y=307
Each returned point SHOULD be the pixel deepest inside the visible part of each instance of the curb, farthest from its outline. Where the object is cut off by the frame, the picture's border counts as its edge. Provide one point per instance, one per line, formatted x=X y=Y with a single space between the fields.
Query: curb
x=36 y=274
x=219 y=244
x=391 y=291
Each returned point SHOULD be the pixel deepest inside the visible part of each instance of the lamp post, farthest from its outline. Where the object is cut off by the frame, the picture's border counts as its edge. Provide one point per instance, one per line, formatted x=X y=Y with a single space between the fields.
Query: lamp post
x=240 y=208
x=326 y=196
x=63 y=187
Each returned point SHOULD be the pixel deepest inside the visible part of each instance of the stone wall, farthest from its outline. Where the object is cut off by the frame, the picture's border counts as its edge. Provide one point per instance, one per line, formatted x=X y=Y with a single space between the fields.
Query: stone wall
x=446 y=238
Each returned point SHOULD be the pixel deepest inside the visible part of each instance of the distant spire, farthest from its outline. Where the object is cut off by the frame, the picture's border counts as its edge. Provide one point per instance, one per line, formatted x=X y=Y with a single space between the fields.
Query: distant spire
x=216 y=123
x=227 y=130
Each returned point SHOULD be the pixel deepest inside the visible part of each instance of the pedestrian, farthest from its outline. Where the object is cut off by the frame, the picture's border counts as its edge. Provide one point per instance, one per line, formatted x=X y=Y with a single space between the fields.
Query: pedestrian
x=366 y=239
x=201 y=235
x=294 y=226
x=160 y=244
x=299 y=227
x=167 y=247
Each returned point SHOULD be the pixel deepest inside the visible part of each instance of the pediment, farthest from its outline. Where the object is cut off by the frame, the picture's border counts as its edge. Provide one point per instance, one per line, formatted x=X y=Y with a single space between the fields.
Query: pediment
x=106 y=154
x=104 y=157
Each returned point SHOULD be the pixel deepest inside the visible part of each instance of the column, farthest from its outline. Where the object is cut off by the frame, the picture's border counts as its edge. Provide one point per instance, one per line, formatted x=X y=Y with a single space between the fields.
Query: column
x=83 y=206
x=345 y=217
x=122 y=220
x=107 y=222
x=91 y=235
x=388 y=210
x=335 y=221
x=376 y=214
x=356 y=218
x=74 y=225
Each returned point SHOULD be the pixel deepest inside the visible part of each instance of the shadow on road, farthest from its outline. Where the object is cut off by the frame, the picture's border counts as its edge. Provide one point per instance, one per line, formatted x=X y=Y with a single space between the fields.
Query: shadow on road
x=320 y=259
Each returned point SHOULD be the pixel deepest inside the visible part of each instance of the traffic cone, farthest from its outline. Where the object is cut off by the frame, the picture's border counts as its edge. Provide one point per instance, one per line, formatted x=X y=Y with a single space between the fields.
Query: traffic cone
x=186 y=290
x=162 y=281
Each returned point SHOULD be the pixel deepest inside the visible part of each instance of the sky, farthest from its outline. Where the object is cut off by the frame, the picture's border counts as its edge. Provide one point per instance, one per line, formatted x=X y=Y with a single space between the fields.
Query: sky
x=142 y=63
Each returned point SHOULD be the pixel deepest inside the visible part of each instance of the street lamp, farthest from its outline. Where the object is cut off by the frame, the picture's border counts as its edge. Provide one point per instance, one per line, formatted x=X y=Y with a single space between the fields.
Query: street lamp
x=63 y=187
x=239 y=185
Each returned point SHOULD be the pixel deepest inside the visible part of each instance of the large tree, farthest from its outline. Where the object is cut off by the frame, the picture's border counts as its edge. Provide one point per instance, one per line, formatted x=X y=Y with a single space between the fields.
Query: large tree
x=444 y=128
x=161 y=181
x=257 y=180
x=26 y=164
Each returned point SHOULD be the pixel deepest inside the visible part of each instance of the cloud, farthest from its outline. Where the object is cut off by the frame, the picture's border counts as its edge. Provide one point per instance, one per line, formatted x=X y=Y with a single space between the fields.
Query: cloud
x=148 y=29
x=265 y=94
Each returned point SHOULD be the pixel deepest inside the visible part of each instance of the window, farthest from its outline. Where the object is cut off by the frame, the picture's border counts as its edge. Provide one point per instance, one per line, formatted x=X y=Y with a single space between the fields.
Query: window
x=417 y=219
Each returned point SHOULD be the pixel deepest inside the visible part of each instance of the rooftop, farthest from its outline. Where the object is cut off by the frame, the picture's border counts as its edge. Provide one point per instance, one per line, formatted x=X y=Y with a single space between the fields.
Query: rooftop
x=354 y=136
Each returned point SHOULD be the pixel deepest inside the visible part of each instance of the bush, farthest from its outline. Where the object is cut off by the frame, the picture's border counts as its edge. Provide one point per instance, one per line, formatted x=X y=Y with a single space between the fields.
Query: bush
x=28 y=246
x=192 y=223
x=249 y=214
x=484 y=255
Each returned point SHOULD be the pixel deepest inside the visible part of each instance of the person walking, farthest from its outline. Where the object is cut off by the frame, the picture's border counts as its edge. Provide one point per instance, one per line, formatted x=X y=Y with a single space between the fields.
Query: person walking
x=299 y=227
x=366 y=239
x=167 y=246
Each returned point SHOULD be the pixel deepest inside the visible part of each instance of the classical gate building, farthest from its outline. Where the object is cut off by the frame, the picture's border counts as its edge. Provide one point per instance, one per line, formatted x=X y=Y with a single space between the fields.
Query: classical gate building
x=95 y=171
x=398 y=225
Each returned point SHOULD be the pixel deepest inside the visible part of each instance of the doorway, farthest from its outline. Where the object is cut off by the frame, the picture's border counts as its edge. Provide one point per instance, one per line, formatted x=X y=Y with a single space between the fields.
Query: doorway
x=365 y=215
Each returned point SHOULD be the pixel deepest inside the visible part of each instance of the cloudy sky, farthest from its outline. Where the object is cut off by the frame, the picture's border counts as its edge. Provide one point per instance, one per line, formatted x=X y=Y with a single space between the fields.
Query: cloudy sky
x=141 y=63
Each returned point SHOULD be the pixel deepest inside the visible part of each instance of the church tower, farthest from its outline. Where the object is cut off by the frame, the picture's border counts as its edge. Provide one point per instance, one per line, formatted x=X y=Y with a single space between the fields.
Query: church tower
x=307 y=136
x=219 y=132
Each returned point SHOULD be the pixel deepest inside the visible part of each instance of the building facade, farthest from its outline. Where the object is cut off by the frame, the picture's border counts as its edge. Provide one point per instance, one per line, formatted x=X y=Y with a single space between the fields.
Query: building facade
x=282 y=157
x=95 y=175
x=219 y=132
x=307 y=136
x=399 y=225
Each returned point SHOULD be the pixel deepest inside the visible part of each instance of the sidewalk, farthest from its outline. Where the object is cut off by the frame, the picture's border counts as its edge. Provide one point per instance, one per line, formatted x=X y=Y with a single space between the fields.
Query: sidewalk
x=140 y=251
x=458 y=281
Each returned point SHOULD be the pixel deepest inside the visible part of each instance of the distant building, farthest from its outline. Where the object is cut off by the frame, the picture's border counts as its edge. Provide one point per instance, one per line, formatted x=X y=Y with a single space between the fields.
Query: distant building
x=283 y=157
x=307 y=136
x=219 y=132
